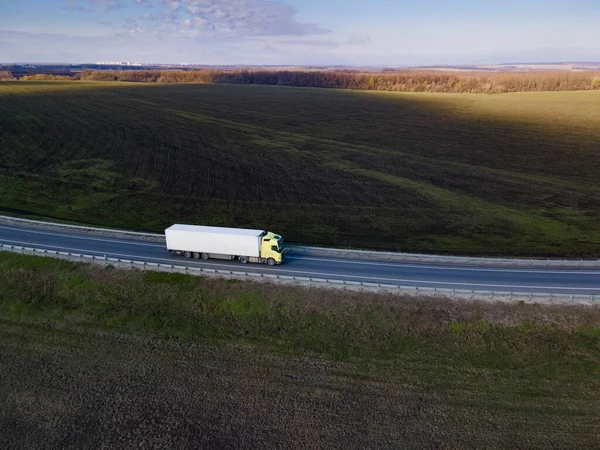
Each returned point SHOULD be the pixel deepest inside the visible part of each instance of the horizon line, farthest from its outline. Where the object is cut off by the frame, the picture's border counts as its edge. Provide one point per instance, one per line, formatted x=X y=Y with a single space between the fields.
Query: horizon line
x=450 y=65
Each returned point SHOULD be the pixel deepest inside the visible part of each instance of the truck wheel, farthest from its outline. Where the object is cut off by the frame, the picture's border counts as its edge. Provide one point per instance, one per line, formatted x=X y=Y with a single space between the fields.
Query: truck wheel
x=196 y=255
x=205 y=256
x=244 y=259
x=271 y=261
x=187 y=254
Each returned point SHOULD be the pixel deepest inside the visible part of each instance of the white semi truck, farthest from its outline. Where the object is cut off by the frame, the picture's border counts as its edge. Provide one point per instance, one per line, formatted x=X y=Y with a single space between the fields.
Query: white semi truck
x=194 y=241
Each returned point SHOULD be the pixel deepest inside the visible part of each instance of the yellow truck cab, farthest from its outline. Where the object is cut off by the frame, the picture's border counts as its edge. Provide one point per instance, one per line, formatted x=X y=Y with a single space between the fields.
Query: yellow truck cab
x=272 y=247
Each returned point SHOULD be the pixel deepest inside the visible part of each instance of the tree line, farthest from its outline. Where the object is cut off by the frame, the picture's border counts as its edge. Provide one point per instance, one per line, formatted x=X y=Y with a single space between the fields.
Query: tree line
x=46 y=77
x=407 y=81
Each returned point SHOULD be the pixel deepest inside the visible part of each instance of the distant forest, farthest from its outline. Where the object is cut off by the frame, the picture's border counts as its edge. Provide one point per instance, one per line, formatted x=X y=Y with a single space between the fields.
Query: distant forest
x=408 y=81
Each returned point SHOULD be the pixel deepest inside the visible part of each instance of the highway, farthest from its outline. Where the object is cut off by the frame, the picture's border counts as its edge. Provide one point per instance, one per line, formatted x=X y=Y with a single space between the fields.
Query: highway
x=558 y=281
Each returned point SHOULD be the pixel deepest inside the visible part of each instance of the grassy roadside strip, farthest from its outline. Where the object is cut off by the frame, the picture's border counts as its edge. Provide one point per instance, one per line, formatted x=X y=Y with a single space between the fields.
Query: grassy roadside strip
x=340 y=325
x=526 y=372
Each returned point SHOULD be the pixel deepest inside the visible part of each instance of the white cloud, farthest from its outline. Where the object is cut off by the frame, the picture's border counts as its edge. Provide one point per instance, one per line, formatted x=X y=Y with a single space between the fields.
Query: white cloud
x=250 y=17
x=200 y=22
x=355 y=39
x=234 y=18
x=131 y=24
x=225 y=19
x=73 y=5
x=91 y=5
x=169 y=17
x=230 y=31
x=174 y=5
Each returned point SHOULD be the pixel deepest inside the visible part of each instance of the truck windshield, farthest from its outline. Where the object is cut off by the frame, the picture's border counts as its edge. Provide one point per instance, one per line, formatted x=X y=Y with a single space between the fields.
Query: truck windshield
x=281 y=244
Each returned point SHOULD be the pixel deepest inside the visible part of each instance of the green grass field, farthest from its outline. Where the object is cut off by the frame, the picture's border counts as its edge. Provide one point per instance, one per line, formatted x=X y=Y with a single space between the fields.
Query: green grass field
x=106 y=357
x=457 y=173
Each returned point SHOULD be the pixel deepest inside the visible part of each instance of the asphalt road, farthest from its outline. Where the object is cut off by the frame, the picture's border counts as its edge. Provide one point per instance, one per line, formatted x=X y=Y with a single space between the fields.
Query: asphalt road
x=407 y=274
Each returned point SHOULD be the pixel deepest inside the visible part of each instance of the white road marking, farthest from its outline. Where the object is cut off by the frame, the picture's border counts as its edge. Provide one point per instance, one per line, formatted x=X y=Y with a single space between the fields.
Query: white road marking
x=320 y=275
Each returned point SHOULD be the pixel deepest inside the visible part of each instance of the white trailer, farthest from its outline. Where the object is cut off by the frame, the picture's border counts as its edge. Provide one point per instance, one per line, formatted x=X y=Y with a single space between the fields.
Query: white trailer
x=195 y=241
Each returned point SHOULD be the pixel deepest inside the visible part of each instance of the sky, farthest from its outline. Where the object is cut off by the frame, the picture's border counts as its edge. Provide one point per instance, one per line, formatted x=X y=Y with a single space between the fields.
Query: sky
x=300 y=32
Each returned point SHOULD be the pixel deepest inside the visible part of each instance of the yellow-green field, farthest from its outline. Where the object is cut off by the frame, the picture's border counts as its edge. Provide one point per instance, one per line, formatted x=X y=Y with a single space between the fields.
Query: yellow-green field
x=459 y=173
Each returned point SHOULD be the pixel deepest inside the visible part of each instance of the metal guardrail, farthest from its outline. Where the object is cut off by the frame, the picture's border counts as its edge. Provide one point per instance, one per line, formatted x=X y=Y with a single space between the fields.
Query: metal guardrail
x=459 y=294
x=336 y=252
x=84 y=229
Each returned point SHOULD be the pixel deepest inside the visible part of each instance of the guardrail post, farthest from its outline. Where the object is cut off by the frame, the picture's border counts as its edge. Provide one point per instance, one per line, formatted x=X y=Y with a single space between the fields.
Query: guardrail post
x=172 y=268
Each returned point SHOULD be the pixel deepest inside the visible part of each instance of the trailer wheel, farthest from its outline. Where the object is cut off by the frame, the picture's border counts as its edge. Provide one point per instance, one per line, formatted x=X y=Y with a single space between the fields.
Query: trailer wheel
x=244 y=259
x=205 y=256
x=196 y=255
x=187 y=254
x=271 y=261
